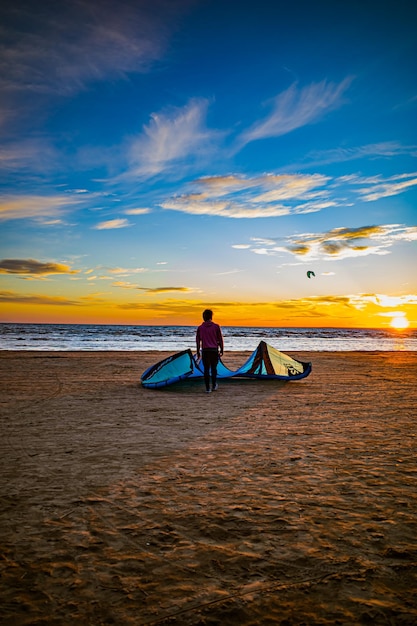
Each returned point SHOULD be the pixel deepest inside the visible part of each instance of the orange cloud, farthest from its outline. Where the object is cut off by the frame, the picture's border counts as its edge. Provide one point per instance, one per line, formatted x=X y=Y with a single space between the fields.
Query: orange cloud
x=33 y=267
x=12 y=297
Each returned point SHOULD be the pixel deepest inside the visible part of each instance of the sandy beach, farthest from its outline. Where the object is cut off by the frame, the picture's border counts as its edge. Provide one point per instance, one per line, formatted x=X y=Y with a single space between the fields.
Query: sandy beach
x=262 y=503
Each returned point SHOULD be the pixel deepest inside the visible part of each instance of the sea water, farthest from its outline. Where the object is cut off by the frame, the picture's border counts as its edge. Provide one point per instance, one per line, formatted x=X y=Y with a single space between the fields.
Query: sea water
x=175 y=338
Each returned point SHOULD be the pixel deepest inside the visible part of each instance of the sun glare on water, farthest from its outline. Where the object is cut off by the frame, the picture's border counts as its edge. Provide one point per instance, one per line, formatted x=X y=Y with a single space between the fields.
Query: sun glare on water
x=399 y=322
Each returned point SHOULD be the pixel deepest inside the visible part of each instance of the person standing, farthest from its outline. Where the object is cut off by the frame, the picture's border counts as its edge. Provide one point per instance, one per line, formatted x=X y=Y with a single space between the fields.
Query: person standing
x=209 y=341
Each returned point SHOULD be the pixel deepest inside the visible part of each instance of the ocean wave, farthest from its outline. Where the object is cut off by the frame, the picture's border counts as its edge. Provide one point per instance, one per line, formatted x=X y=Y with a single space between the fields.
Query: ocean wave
x=92 y=337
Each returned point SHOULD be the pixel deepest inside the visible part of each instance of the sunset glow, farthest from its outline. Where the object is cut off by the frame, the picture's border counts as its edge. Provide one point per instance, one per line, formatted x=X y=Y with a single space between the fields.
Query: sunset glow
x=400 y=322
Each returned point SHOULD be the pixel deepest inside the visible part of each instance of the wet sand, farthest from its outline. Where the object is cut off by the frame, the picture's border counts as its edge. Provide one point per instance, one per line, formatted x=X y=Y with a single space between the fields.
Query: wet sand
x=262 y=503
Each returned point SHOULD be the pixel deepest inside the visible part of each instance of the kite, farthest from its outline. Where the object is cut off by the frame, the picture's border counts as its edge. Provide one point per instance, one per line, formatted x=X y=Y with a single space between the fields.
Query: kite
x=310 y=274
x=265 y=363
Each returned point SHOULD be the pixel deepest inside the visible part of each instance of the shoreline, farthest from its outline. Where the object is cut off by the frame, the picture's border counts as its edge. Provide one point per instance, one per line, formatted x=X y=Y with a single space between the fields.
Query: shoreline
x=228 y=353
x=266 y=500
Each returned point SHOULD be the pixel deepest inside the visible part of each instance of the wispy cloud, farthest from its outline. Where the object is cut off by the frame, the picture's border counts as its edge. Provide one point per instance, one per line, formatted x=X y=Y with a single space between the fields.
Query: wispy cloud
x=274 y=195
x=384 y=188
x=33 y=206
x=167 y=289
x=171 y=137
x=112 y=224
x=200 y=206
x=228 y=272
x=125 y=271
x=295 y=108
x=79 y=42
x=324 y=306
x=338 y=243
x=156 y=290
x=165 y=308
x=137 y=211
x=12 y=297
x=270 y=195
x=382 y=150
x=383 y=300
x=33 y=267
x=37 y=155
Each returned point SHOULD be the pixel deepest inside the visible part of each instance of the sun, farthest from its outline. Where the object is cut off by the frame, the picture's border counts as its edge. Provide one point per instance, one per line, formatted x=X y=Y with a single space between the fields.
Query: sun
x=399 y=322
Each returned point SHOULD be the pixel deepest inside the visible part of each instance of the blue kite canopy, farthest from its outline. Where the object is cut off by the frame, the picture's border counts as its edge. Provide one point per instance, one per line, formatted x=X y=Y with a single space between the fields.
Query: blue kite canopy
x=264 y=363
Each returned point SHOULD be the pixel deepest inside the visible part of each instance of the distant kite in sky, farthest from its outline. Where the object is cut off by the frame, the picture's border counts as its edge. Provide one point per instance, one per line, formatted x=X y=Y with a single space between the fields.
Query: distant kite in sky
x=310 y=274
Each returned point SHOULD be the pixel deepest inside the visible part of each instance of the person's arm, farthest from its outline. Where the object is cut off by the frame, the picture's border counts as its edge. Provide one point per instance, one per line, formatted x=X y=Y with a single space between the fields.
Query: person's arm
x=220 y=340
x=198 y=342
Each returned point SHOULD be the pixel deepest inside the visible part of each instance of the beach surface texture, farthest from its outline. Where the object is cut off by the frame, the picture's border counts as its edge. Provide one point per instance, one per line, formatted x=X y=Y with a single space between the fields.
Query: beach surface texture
x=262 y=503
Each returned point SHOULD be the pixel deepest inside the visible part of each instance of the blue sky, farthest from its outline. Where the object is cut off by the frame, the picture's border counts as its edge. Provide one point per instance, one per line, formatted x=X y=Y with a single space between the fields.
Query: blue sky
x=160 y=157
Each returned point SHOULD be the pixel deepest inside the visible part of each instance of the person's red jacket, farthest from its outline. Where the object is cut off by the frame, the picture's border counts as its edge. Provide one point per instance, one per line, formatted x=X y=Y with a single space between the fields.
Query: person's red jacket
x=209 y=336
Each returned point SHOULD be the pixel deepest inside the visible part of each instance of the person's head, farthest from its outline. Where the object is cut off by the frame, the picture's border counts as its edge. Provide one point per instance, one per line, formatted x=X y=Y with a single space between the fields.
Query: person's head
x=207 y=315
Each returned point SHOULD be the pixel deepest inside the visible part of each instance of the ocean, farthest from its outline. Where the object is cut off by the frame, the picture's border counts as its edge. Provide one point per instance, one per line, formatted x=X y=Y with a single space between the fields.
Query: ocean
x=175 y=338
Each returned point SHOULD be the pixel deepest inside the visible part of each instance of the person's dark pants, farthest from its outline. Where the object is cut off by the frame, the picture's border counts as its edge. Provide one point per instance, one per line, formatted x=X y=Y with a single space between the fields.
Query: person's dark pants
x=210 y=360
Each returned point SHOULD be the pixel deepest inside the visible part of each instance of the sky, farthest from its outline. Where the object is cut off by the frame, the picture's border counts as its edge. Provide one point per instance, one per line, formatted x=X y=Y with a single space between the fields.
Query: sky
x=161 y=157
